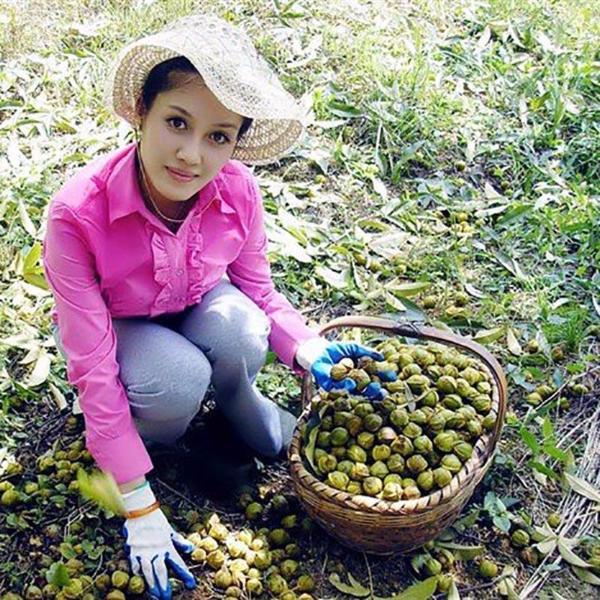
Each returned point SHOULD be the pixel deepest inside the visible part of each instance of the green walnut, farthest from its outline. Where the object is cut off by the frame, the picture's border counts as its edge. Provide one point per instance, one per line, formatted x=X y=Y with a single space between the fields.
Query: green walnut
x=410 y=370
x=423 y=444
x=442 y=477
x=418 y=416
x=356 y=454
x=327 y=463
x=411 y=492
x=386 y=435
x=345 y=466
x=363 y=409
x=372 y=422
x=452 y=401
x=416 y=463
x=323 y=439
x=418 y=383
x=136 y=585
x=288 y=568
x=339 y=436
x=392 y=491
x=366 y=440
x=198 y=555
x=430 y=398
x=102 y=582
x=534 y=399
x=254 y=586
x=339 y=371
x=520 y=538
x=223 y=579
x=475 y=428
x=452 y=463
x=463 y=450
x=395 y=463
x=263 y=559
x=372 y=486
x=360 y=471
x=425 y=480
x=554 y=520
x=446 y=384
x=215 y=559
x=253 y=511
x=444 y=441
x=381 y=452
x=354 y=425
x=399 y=418
x=530 y=556
x=456 y=421
x=280 y=537
x=412 y=431
x=305 y=583
x=10 y=497
x=437 y=422
x=276 y=584
x=33 y=592
x=485 y=387
x=402 y=445
x=354 y=488
x=482 y=404
x=340 y=418
x=209 y=544
x=378 y=469
x=432 y=566
x=113 y=595
x=488 y=422
x=488 y=569
x=338 y=480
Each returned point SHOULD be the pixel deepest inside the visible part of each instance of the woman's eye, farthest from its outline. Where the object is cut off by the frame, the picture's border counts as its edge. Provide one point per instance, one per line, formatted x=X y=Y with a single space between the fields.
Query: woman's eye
x=220 y=138
x=176 y=123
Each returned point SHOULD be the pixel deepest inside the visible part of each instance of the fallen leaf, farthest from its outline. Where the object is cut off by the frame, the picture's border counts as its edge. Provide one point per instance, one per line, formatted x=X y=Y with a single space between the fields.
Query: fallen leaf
x=580 y=486
x=513 y=344
x=358 y=592
x=487 y=336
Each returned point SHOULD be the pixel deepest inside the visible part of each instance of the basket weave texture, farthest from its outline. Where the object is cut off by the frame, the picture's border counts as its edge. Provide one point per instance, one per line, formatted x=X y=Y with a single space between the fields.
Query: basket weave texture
x=379 y=526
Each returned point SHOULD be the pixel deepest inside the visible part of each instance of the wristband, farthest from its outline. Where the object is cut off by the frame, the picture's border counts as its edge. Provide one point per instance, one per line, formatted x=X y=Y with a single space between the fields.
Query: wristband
x=134 y=514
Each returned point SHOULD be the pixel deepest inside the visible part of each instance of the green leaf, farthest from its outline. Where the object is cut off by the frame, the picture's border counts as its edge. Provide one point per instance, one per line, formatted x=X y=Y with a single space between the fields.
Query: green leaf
x=586 y=576
x=411 y=288
x=582 y=487
x=487 y=336
x=453 y=592
x=67 y=550
x=461 y=552
x=513 y=344
x=101 y=488
x=542 y=468
x=547 y=429
x=530 y=440
x=57 y=574
x=502 y=523
x=419 y=591
x=570 y=556
x=358 y=592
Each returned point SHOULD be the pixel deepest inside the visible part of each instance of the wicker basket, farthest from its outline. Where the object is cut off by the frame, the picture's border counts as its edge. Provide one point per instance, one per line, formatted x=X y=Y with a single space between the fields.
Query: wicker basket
x=383 y=527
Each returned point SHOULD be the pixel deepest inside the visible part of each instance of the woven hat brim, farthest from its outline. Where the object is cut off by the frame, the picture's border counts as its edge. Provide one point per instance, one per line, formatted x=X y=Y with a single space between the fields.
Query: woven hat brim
x=277 y=120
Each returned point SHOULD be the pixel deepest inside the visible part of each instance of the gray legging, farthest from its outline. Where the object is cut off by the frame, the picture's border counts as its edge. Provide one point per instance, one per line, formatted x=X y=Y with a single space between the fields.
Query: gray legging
x=167 y=363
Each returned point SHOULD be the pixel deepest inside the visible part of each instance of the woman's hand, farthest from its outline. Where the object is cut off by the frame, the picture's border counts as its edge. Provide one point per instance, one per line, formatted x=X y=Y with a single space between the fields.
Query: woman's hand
x=318 y=355
x=152 y=545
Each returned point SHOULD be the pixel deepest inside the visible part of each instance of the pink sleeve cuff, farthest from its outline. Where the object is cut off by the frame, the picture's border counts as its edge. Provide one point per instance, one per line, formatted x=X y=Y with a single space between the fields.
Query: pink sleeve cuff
x=124 y=457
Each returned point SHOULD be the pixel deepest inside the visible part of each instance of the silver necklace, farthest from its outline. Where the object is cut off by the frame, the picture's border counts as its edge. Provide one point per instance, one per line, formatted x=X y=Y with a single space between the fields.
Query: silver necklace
x=147 y=190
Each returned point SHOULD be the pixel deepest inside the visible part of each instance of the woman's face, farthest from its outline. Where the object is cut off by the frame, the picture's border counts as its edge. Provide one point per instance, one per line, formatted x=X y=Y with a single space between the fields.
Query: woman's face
x=186 y=137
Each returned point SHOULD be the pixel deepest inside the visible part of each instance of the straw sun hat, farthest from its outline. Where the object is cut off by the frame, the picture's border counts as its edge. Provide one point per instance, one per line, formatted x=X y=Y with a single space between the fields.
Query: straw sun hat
x=231 y=68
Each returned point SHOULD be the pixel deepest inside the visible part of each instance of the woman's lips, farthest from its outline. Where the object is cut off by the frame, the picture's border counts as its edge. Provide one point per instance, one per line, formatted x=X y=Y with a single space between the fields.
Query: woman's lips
x=179 y=176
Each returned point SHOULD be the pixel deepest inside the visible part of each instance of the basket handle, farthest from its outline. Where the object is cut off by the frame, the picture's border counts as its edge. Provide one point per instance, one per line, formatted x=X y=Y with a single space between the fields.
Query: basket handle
x=409 y=329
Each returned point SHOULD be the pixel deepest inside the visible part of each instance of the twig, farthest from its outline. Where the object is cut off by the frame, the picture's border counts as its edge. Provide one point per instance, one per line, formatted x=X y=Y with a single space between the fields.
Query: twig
x=370 y=575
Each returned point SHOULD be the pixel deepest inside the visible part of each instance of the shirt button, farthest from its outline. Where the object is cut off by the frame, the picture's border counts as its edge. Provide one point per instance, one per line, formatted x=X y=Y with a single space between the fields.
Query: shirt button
x=179 y=272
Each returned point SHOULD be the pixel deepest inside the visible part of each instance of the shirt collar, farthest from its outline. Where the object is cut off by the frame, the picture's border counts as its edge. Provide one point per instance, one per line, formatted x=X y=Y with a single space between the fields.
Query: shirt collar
x=125 y=197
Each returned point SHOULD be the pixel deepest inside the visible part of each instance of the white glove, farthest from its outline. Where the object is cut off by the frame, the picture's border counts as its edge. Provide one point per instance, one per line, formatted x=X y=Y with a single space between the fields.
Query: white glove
x=151 y=544
x=309 y=351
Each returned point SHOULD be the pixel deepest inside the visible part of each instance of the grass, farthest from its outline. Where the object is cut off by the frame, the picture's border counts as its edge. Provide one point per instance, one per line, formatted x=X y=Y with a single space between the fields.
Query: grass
x=451 y=143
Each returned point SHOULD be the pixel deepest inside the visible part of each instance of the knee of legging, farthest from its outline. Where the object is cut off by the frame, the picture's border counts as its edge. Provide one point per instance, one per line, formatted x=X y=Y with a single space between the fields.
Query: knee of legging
x=173 y=390
x=271 y=443
x=238 y=339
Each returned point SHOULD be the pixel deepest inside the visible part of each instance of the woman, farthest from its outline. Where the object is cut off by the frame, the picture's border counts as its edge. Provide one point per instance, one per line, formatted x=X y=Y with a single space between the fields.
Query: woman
x=156 y=256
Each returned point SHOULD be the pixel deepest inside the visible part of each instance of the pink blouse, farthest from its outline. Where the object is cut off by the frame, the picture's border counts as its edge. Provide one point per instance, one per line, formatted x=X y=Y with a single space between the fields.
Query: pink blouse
x=106 y=255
